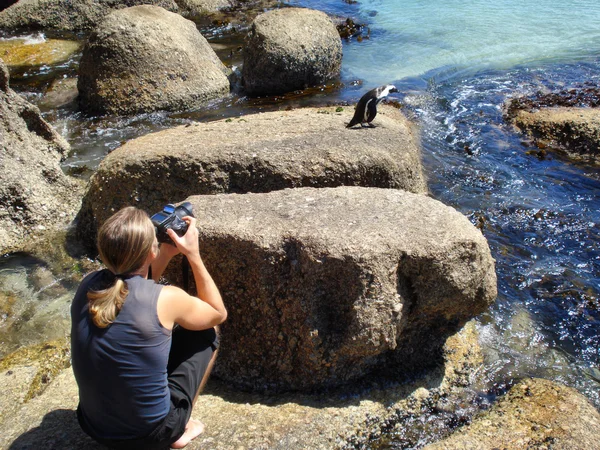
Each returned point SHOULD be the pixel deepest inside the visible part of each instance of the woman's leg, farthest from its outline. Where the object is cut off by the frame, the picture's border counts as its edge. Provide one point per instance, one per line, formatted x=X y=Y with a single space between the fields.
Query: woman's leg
x=192 y=357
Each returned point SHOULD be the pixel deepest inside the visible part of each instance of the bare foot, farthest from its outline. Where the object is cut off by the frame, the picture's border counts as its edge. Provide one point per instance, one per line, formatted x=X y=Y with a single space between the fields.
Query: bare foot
x=192 y=430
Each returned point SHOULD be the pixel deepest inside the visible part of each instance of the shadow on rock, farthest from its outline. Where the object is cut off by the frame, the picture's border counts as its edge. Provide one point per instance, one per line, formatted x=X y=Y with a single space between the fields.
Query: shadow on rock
x=59 y=429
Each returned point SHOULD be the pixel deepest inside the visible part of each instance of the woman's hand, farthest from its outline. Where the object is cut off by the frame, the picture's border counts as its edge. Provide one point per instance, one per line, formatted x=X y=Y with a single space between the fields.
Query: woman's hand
x=188 y=243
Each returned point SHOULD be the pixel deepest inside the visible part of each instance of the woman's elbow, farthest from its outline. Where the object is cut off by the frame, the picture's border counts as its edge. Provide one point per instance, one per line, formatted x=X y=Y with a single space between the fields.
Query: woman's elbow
x=223 y=316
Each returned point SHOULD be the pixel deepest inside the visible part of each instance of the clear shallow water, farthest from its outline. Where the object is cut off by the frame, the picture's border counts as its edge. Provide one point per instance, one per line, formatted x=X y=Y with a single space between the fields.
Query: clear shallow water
x=456 y=63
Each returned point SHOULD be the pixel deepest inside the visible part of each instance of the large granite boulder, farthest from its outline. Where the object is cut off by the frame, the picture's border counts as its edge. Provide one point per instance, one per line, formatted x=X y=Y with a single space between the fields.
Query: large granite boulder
x=145 y=58
x=35 y=194
x=72 y=15
x=535 y=413
x=289 y=49
x=575 y=130
x=257 y=153
x=323 y=286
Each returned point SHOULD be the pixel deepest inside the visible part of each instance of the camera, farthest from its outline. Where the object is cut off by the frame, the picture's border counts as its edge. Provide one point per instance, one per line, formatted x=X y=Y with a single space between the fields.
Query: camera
x=171 y=217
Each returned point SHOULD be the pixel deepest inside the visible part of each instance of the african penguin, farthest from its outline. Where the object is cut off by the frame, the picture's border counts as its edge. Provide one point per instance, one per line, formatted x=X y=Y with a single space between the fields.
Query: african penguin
x=366 y=109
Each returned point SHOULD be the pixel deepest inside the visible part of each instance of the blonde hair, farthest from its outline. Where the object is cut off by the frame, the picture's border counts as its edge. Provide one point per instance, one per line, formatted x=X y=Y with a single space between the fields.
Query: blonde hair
x=124 y=242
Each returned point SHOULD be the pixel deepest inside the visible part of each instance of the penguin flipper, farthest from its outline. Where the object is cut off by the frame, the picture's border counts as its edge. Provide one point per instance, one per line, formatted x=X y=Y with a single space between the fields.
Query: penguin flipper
x=371 y=111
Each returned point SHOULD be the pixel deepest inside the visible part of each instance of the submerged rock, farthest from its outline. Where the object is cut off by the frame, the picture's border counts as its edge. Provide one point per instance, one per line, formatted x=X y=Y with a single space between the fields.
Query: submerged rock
x=289 y=49
x=37 y=51
x=143 y=59
x=323 y=286
x=535 y=413
x=575 y=130
x=35 y=194
x=256 y=153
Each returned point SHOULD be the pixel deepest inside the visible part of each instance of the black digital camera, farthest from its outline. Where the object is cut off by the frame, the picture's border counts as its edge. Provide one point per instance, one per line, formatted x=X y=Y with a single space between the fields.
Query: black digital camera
x=171 y=217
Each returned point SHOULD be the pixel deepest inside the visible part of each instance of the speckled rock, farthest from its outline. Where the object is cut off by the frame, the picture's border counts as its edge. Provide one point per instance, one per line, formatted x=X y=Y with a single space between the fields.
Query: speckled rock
x=35 y=194
x=145 y=58
x=324 y=286
x=289 y=49
x=72 y=15
x=256 y=153
x=535 y=413
x=575 y=130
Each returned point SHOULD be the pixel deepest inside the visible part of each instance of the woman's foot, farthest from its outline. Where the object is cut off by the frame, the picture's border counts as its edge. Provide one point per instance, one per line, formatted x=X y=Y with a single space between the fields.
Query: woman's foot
x=192 y=430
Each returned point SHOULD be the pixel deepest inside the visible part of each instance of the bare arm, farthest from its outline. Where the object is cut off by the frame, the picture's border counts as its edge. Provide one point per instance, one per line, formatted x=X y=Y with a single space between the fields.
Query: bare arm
x=175 y=305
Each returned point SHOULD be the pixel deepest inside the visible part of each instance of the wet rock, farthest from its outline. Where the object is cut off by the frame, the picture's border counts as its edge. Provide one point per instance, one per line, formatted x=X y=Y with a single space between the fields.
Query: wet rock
x=74 y=15
x=324 y=286
x=35 y=194
x=535 y=413
x=290 y=49
x=62 y=92
x=575 y=130
x=145 y=58
x=37 y=51
x=256 y=153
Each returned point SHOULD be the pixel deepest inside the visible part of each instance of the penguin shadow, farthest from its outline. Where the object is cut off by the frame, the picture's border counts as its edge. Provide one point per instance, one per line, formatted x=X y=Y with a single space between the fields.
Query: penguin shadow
x=58 y=429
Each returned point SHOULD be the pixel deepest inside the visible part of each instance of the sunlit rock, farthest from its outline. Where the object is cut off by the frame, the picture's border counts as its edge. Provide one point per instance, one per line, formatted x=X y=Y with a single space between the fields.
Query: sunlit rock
x=256 y=153
x=324 y=286
x=535 y=413
x=35 y=194
x=575 y=130
x=145 y=58
x=36 y=51
x=345 y=418
x=289 y=49
x=72 y=15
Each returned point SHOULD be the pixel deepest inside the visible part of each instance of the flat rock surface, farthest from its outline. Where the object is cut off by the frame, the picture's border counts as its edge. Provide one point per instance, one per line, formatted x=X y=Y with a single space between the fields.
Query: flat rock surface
x=254 y=153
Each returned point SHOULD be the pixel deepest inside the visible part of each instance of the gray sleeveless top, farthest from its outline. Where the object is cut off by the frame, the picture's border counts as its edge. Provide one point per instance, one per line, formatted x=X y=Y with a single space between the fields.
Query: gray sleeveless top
x=121 y=370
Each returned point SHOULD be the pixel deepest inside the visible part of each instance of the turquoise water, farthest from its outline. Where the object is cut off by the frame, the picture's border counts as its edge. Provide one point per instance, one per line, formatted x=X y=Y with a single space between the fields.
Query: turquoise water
x=413 y=38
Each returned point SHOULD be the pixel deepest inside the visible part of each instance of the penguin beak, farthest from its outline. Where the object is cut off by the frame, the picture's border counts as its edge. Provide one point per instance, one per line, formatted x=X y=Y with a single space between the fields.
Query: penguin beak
x=392 y=90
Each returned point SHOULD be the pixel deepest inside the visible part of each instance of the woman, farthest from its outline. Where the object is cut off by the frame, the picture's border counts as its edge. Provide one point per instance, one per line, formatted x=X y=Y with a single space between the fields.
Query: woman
x=138 y=376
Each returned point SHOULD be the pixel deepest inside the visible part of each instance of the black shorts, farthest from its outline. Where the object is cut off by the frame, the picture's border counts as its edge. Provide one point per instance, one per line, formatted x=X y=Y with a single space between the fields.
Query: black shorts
x=190 y=355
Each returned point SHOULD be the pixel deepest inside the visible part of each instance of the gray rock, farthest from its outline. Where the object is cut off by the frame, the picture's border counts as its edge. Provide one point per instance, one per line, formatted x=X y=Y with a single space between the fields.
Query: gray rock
x=73 y=15
x=325 y=285
x=535 y=413
x=257 y=153
x=145 y=58
x=574 y=130
x=35 y=194
x=289 y=49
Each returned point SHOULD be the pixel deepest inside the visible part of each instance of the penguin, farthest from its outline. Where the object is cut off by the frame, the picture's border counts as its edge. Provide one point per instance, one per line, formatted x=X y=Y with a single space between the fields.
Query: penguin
x=366 y=109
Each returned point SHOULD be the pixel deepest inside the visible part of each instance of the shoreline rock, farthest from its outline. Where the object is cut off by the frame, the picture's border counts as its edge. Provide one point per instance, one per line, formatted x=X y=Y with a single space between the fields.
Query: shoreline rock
x=255 y=153
x=35 y=195
x=535 y=413
x=289 y=49
x=573 y=130
x=145 y=58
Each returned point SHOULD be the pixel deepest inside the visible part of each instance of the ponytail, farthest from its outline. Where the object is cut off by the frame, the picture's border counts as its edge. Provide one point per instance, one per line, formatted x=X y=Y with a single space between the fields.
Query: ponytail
x=124 y=242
